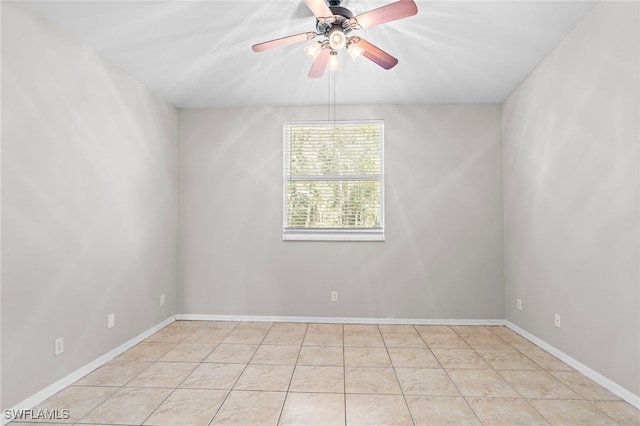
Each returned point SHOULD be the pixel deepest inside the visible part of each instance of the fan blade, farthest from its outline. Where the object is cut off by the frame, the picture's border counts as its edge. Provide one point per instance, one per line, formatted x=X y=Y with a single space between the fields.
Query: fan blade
x=319 y=64
x=377 y=55
x=261 y=47
x=319 y=8
x=391 y=12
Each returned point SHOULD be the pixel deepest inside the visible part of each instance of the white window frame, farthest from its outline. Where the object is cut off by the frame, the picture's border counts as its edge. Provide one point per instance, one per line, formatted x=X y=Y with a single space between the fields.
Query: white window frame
x=332 y=234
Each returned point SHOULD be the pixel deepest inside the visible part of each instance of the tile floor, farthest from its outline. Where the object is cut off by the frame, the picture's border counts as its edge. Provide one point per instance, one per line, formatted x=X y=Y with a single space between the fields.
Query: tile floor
x=250 y=373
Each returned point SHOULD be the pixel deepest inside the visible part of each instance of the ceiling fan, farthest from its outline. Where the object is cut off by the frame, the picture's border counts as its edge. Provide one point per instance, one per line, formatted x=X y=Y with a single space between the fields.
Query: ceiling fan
x=335 y=23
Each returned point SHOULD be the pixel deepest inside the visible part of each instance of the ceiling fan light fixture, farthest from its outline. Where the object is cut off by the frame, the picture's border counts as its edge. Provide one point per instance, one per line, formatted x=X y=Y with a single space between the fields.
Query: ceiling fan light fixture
x=337 y=38
x=334 y=64
x=313 y=50
x=354 y=50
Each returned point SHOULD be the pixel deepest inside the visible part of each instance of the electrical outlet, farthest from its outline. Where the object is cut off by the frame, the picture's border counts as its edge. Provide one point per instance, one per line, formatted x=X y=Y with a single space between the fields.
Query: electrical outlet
x=162 y=300
x=58 y=346
x=334 y=296
x=519 y=304
x=557 y=321
x=111 y=320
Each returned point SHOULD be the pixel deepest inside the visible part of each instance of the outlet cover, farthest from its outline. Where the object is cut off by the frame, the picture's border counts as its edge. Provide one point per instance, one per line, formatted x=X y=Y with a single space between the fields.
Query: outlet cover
x=111 y=320
x=58 y=346
x=334 y=296
x=557 y=321
x=162 y=300
x=519 y=304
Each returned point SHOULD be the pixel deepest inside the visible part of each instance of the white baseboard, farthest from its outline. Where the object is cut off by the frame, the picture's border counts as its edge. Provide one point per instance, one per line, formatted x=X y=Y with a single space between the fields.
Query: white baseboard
x=603 y=381
x=342 y=320
x=39 y=397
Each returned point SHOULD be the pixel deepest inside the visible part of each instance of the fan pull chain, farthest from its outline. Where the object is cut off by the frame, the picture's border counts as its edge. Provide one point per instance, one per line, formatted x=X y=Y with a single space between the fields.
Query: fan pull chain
x=331 y=116
x=334 y=100
x=329 y=98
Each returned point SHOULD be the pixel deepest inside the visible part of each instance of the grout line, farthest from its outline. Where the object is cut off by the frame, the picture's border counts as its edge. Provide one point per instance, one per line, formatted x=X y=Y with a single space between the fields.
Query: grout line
x=229 y=390
x=239 y=375
x=295 y=365
x=451 y=380
x=528 y=401
x=404 y=397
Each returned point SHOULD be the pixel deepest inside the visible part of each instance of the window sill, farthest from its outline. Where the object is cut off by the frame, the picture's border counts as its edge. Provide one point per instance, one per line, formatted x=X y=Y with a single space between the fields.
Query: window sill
x=333 y=236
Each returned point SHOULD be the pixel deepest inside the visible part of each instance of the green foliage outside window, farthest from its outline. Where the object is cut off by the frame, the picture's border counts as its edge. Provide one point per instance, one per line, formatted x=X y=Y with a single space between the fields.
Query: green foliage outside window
x=333 y=176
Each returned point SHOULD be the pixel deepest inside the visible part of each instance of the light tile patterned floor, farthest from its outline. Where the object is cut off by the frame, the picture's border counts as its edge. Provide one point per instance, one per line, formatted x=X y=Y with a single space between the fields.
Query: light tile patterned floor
x=256 y=373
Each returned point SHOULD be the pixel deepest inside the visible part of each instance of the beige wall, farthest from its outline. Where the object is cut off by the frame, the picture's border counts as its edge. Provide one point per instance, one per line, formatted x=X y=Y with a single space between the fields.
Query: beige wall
x=442 y=257
x=571 y=188
x=89 y=205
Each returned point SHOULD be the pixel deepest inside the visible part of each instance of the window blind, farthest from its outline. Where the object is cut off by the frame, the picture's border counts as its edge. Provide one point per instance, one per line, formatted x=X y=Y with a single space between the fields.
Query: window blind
x=334 y=180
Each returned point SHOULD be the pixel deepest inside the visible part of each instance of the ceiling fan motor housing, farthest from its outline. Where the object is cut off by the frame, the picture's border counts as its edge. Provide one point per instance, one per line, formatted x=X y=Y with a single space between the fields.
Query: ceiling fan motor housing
x=341 y=20
x=341 y=11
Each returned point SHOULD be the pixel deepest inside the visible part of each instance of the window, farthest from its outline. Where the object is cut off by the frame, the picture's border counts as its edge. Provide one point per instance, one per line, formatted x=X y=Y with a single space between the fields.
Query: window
x=334 y=180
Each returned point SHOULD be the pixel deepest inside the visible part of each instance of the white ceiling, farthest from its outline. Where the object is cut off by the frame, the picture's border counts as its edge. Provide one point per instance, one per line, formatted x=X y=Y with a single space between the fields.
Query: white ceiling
x=198 y=53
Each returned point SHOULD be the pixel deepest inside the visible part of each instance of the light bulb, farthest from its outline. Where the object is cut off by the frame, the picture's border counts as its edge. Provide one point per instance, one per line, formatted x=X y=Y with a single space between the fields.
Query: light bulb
x=355 y=51
x=334 y=65
x=337 y=39
x=313 y=50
